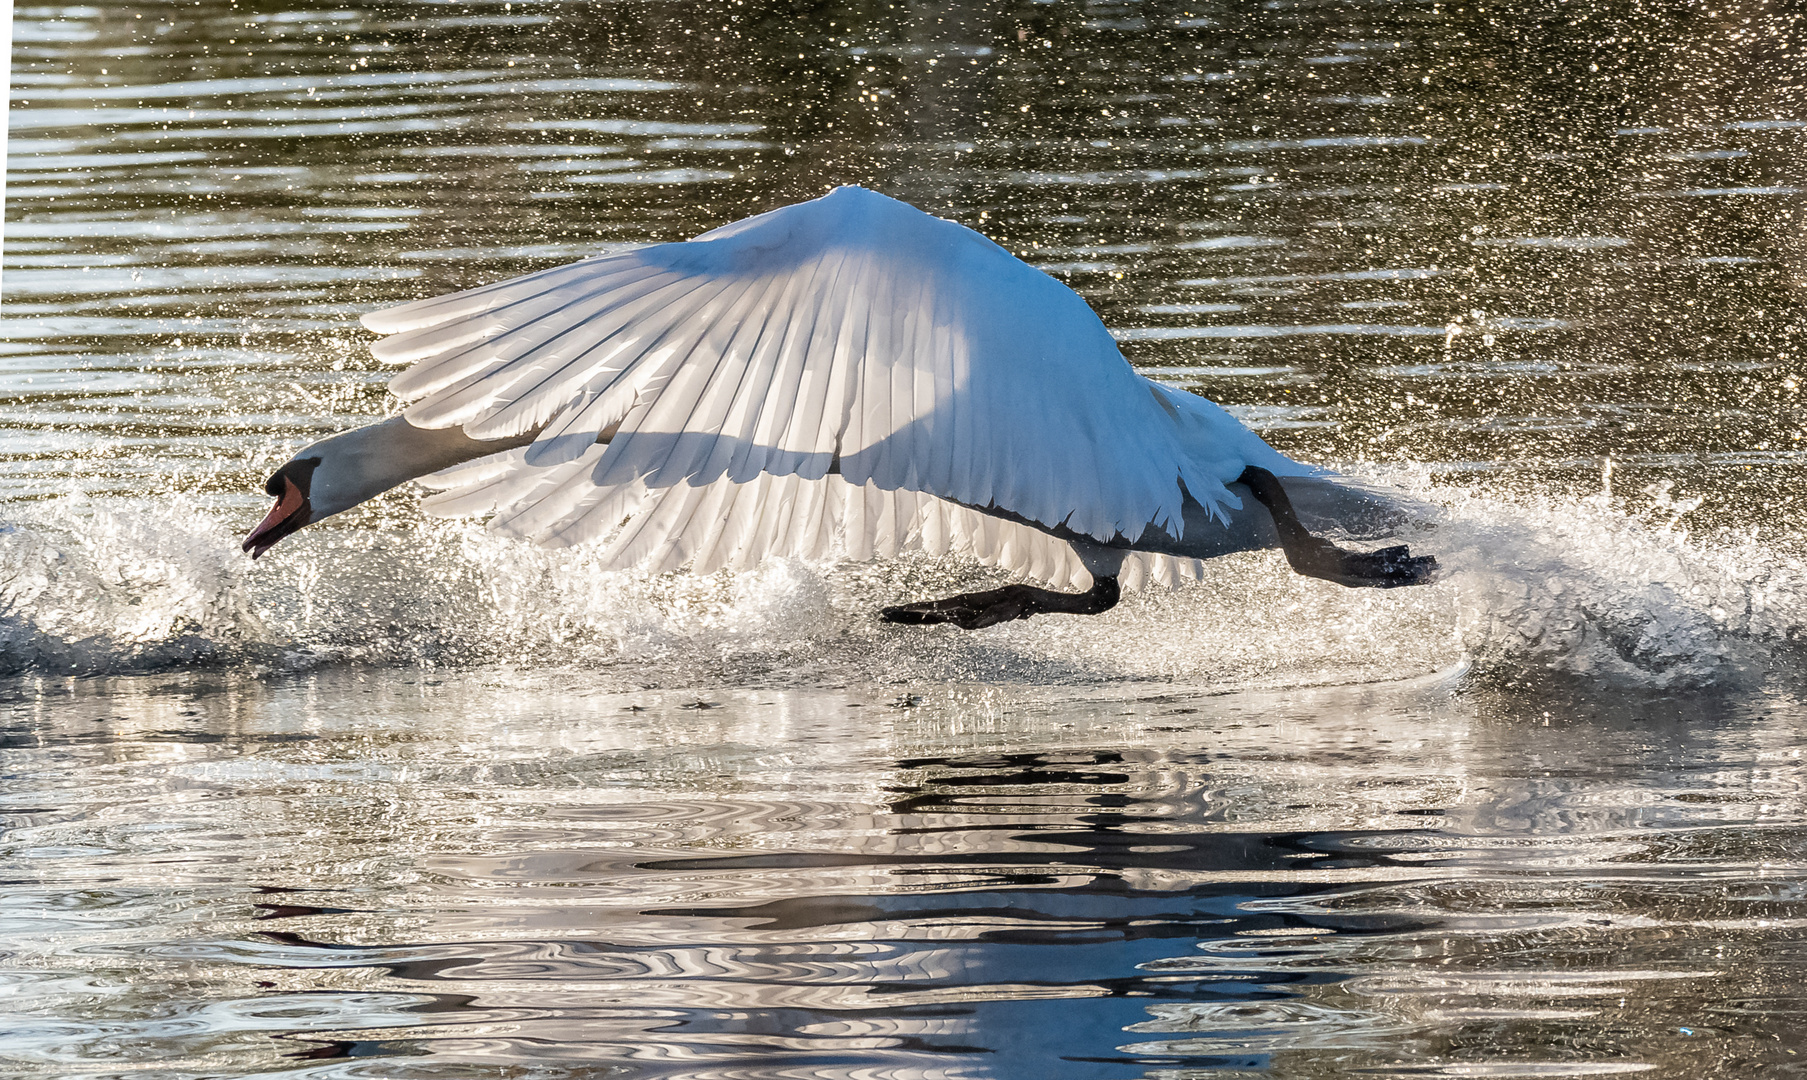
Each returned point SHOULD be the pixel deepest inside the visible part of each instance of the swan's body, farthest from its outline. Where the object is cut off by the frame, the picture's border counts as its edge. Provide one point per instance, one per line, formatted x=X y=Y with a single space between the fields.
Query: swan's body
x=847 y=373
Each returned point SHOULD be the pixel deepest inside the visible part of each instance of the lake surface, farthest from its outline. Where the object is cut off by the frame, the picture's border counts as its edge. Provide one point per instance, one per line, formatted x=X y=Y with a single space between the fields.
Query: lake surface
x=406 y=800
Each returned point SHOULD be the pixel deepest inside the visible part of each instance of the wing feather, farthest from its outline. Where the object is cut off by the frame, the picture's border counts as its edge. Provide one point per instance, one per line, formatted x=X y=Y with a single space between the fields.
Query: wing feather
x=563 y=317
x=604 y=278
x=753 y=395
x=845 y=373
x=707 y=455
x=437 y=310
x=533 y=388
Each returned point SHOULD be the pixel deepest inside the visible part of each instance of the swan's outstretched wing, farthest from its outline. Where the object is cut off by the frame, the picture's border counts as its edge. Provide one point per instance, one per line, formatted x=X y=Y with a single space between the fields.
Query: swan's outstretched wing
x=729 y=526
x=851 y=336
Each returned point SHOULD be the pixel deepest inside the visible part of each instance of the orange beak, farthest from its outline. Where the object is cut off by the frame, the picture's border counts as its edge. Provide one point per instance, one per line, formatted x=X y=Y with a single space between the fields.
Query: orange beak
x=288 y=515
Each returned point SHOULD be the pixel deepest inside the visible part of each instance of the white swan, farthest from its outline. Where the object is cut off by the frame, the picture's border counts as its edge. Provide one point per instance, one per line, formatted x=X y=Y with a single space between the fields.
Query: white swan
x=844 y=375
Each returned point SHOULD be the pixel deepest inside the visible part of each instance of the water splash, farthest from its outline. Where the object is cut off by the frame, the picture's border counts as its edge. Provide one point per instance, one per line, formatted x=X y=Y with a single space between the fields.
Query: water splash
x=89 y=585
x=1591 y=587
x=1615 y=588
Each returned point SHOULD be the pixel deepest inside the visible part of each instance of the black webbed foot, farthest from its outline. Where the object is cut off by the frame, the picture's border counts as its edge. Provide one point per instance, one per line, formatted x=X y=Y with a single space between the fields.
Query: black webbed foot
x=1388 y=568
x=1313 y=556
x=977 y=610
x=970 y=611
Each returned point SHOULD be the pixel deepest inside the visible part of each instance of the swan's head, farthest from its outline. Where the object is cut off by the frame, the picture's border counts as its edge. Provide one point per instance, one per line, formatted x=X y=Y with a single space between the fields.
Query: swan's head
x=344 y=470
x=292 y=487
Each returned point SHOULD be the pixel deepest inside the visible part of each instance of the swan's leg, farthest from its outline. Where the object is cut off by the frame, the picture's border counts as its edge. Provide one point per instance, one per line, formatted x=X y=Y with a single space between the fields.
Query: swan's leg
x=1316 y=557
x=975 y=610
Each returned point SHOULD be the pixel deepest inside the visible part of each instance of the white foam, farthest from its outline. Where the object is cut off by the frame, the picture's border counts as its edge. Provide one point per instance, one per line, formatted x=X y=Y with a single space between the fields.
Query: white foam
x=1588 y=587
x=93 y=585
x=1612 y=588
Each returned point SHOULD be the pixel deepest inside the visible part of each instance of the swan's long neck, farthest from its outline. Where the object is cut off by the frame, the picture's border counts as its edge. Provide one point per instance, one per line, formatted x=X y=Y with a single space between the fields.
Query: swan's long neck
x=363 y=463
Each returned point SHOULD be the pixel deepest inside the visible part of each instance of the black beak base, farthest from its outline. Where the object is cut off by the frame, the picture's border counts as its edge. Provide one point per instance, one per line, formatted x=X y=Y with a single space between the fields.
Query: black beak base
x=289 y=487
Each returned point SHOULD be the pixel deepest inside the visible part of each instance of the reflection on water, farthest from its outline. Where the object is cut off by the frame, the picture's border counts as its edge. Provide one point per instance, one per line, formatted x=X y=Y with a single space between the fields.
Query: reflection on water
x=371 y=875
x=404 y=801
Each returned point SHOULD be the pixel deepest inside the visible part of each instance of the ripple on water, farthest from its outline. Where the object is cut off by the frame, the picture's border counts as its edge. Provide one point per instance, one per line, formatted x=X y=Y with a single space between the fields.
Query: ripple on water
x=790 y=882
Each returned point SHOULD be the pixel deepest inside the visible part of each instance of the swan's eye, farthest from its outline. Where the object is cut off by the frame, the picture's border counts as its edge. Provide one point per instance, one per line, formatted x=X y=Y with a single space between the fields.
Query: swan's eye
x=299 y=472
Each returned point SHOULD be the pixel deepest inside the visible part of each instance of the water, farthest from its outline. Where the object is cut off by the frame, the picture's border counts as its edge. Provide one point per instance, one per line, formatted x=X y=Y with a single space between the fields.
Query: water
x=404 y=800
x=373 y=873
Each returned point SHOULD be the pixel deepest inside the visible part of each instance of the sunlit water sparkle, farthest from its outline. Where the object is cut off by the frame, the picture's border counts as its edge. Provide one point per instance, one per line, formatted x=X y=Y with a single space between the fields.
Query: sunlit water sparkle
x=406 y=800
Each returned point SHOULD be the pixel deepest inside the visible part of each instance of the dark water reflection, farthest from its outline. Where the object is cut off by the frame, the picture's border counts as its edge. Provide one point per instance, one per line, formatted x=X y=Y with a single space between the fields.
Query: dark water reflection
x=1503 y=241
x=498 y=875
